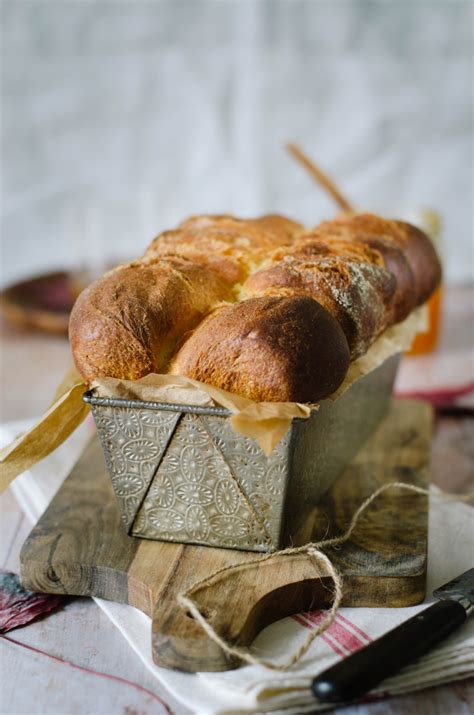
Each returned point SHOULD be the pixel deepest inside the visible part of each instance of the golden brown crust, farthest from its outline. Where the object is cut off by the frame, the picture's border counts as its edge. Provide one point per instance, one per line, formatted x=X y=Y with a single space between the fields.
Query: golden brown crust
x=404 y=297
x=382 y=250
x=280 y=344
x=266 y=231
x=317 y=243
x=231 y=247
x=127 y=323
x=349 y=280
x=423 y=260
x=204 y=248
x=417 y=248
x=275 y=349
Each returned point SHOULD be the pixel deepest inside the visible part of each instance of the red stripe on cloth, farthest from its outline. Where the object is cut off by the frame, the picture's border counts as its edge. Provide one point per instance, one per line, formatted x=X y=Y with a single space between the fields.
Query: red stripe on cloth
x=299 y=619
x=309 y=620
x=354 y=627
x=303 y=622
x=349 y=641
x=441 y=396
x=344 y=639
x=334 y=646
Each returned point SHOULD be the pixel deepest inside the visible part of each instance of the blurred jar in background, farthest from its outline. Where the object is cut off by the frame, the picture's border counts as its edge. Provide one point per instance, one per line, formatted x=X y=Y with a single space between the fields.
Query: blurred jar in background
x=430 y=223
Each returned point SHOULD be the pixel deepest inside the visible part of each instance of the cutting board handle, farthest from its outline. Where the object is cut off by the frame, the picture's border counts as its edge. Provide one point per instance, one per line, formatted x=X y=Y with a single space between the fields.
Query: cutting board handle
x=238 y=604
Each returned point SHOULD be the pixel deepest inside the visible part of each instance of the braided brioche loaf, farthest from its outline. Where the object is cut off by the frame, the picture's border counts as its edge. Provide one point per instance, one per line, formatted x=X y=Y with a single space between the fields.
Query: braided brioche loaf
x=259 y=307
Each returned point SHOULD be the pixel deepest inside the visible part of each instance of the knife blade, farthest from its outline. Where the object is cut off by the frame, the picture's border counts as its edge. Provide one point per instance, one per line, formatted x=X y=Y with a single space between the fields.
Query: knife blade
x=356 y=675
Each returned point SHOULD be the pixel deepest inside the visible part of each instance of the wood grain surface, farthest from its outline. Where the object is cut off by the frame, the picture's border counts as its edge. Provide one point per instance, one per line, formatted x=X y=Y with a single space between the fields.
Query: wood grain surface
x=80 y=547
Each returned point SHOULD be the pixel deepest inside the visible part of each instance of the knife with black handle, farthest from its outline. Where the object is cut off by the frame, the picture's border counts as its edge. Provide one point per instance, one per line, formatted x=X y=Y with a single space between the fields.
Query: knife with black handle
x=356 y=675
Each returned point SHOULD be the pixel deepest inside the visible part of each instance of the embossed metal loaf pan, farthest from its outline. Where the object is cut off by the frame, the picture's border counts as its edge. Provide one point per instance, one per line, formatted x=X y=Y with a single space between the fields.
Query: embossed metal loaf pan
x=181 y=473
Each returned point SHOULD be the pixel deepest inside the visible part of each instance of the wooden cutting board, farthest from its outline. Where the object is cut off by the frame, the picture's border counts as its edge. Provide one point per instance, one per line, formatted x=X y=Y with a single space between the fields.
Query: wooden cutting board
x=79 y=547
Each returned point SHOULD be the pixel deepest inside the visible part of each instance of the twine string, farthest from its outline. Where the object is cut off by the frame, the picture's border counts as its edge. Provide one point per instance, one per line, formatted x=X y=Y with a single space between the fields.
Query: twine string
x=314 y=551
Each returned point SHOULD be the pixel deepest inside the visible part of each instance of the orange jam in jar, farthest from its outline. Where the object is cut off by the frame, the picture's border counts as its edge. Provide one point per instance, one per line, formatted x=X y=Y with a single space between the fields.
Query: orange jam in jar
x=426 y=342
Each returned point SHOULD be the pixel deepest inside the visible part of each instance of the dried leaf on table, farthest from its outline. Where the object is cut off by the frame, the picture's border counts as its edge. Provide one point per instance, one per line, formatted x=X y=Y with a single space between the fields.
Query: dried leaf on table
x=19 y=606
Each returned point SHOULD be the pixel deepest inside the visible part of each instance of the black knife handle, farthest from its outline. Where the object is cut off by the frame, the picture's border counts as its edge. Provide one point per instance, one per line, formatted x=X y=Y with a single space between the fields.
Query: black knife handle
x=360 y=672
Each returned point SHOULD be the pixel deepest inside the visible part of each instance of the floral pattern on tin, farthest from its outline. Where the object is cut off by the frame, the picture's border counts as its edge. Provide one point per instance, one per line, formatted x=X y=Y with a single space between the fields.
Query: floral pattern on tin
x=139 y=450
x=107 y=425
x=194 y=494
x=166 y=520
x=275 y=478
x=114 y=458
x=194 y=435
x=133 y=444
x=162 y=492
x=131 y=505
x=146 y=469
x=197 y=523
x=156 y=418
x=129 y=423
x=127 y=484
x=227 y=496
x=205 y=492
x=229 y=526
x=201 y=482
x=192 y=463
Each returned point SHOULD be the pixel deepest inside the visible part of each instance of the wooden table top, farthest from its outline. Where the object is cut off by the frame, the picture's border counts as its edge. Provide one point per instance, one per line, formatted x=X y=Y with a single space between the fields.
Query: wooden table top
x=30 y=368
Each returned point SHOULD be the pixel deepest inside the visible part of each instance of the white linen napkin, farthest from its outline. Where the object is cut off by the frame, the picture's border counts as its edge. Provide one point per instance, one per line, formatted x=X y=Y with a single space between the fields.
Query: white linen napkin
x=254 y=688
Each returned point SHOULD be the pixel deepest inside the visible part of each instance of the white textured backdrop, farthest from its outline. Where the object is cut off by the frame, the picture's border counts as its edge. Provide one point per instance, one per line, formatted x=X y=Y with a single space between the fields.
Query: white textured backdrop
x=120 y=118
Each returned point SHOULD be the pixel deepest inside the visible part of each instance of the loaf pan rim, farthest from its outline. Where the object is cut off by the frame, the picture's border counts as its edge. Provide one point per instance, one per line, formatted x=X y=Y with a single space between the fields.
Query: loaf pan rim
x=93 y=399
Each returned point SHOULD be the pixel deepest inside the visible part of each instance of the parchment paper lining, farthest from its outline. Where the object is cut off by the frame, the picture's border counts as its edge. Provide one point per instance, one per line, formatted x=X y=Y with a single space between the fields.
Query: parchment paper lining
x=265 y=422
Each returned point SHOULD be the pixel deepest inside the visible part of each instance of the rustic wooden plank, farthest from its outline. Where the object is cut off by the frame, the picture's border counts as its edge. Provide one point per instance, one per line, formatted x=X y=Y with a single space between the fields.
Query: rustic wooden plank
x=382 y=563
x=79 y=546
x=391 y=538
x=238 y=605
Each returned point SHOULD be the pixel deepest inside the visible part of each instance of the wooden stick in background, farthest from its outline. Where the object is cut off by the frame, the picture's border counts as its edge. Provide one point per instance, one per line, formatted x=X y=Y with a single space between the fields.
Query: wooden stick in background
x=320 y=177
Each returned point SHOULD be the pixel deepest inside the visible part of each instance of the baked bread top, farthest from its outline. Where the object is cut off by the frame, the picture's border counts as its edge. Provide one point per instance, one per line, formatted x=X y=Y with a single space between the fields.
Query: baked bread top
x=260 y=307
